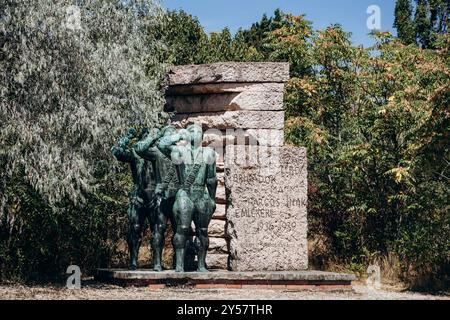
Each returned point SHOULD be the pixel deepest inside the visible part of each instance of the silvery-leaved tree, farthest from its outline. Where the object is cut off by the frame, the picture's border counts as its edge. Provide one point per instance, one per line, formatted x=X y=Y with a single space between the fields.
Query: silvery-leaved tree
x=73 y=75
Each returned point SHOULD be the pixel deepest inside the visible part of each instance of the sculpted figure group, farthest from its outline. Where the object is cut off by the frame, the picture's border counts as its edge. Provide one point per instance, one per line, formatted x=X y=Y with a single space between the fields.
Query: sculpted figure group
x=174 y=180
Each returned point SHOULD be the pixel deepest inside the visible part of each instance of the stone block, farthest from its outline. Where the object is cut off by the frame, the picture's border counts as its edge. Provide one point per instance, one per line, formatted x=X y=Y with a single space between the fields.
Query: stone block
x=220 y=88
x=232 y=120
x=220 y=212
x=256 y=97
x=221 y=195
x=217 y=261
x=218 y=139
x=229 y=72
x=217 y=228
x=221 y=178
x=218 y=246
x=267 y=221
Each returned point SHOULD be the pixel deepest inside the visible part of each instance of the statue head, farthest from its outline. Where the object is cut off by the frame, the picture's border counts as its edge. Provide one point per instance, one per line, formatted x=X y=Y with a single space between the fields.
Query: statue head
x=196 y=134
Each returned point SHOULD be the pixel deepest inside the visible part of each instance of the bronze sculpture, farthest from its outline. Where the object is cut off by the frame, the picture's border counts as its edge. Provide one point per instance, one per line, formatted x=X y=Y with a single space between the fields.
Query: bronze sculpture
x=164 y=192
x=141 y=194
x=172 y=182
x=195 y=201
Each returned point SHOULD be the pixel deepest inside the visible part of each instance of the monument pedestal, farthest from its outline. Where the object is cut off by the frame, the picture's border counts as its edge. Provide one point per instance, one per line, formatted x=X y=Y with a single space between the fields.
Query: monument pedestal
x=267 y=208
x=286 y=280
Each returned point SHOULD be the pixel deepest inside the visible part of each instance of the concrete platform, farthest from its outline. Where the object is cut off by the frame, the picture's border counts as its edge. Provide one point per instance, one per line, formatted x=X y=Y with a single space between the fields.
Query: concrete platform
x=287 y=280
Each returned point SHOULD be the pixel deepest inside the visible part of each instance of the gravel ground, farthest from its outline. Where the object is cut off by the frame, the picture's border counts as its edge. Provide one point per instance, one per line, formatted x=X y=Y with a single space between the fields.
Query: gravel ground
x=96 y=291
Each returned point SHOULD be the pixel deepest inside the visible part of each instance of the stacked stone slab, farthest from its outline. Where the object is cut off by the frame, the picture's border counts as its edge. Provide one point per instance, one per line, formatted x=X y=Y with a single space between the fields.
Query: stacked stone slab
x=236 y=104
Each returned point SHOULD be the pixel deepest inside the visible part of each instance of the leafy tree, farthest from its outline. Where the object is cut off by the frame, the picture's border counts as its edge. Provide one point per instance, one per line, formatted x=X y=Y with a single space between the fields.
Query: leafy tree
x=185 y=38
x=377 y=134
x=430 y=20
x=422 y=23
x=277 y=20
x=404 y=21
x=291 y=42
x=68 y=87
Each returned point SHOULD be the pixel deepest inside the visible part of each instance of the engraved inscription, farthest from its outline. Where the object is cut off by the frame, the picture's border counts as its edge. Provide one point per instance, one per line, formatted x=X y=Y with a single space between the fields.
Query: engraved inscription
x=267 y=212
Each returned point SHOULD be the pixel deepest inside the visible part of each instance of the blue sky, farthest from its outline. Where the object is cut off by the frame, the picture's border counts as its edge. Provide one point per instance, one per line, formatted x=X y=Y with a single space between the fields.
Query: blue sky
x=214 y=15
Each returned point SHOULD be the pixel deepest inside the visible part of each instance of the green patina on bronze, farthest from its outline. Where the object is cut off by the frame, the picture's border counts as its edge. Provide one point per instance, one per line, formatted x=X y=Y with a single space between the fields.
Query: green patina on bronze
x=172 y=182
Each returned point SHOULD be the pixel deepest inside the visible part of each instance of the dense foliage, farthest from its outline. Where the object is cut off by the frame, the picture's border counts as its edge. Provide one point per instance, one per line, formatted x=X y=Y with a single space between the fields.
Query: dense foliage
x=188 y=43
x=68 y=86
x=421 y=22
x=369 y=119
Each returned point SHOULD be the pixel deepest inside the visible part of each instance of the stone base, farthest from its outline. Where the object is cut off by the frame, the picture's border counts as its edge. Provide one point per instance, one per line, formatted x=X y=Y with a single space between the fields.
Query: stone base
x=286 y=280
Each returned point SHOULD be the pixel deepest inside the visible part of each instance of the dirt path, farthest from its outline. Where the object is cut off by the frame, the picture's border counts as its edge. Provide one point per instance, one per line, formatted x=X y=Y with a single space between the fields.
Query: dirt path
x=95 y=291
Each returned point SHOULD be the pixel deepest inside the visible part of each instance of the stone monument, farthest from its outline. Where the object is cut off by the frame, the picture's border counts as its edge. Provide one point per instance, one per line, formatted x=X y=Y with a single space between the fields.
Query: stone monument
x=236 y=104
x=258 y=232
x=267 y=198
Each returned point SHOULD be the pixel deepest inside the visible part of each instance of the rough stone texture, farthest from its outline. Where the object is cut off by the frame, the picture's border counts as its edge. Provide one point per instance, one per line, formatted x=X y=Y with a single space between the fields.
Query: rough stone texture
x=236 y=104
x=264 y=137
x=226 y=72
x=221 y=197
x=267 y=197
x=217 y=261
x=217 y=228
x=220 y=213
x=218 y=246
x=256 y=97
x=232 y=120
x=101 y=291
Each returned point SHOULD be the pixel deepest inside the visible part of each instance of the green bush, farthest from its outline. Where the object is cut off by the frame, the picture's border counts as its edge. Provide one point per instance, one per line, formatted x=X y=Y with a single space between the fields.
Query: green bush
x=376 y=124
x=38 y=242
x=67 y=90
